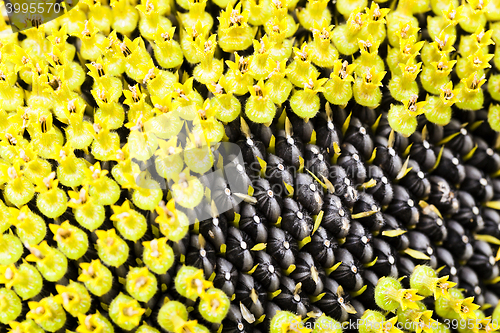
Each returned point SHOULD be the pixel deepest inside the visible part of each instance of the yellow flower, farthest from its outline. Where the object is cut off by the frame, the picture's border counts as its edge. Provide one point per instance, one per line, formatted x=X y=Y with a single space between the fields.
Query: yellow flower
x=40 y=253
x=408 y=298
x=164 y=35
x=466 y=308
x=234 y=32
x=141 y=279
x=18 y=217
x=108 y=240
x=376 y=14
x=368 y=45
x=483 y=38
x=373 y=78
x=389 y=326
x=478 y=6
x=406 y=30
x=166 y=214
x=90 y=323
x=182 y=326
x=87 y=29
x=130 y=311
x=473 y=82
x=441 y=287
x=414 y=108
x=78 y=199
x=168 y=148
x=448 y=95
x=240 y=66
x=196 y=284
x=67 y=296
x=90 y=271
x=453 y=15
x=342 y=71
x=120 y=211
x=424 y=322
x=40 y=311
x=47 y=183
x=63 y=232
x=94 y=173
x=9 y=275
x=162 y=104
x=56 y=57
x=314 y=84
x=277 y=69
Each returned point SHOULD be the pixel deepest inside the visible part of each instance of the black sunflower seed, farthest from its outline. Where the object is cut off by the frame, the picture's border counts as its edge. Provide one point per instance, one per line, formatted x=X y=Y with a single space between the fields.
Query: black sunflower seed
x=215 y=230
x=269 y=204
x=405 y=268
x=327 y=133
x=358 y=242
x=235 y=323
x=292 y=297
x=388 y=160
x=348 y=273
x=343 y=185
x=462 y=142
x=316 y=161
x=278 y=173
x=432 y=225
x=309 y=274
x=491 y=222
x=370 y=279
x=282 y=247
x=404 y=206
x=469 y=214
x=268 y=272
x=442 y=196
x=309 y=193
x=251 y=150
x=458 y=241
x=400 y=242
x=238 y=250
x=226 y=276
x=422 y=152
x=383 y=133
x=386 y=264
x=421 y=243
x=445 y=259
x=290 y=149
x=485 y=158
x=470 y=282
x=322 y=247
x=368 y=212
x=253 y=223
x=359 y=136
x=382 y=190
x=416 y=181
x=251 y=294
x=296 y=220
x=450 y=167
x=336 y=218
x=304 y=130
x=201 y=254
x=477 y=184
x=335 y=303
x=352 y=163
x=483 y=260
x=224 y=198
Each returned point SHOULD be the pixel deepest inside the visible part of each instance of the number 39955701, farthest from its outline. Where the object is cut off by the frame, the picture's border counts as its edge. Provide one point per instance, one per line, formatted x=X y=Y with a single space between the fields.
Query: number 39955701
x=33 y=8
